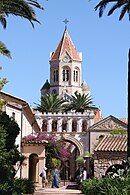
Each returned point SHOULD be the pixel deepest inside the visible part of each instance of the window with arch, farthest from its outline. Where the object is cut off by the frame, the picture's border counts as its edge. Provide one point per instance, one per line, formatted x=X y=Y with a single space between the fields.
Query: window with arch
x=65 y=75
x=64 y=125
x=44 y=125
x=84 y=125
x=75 y=76
x=54 y=126
x=56 y=75
x=54 y=91
x=74 y=126
x=13 y=115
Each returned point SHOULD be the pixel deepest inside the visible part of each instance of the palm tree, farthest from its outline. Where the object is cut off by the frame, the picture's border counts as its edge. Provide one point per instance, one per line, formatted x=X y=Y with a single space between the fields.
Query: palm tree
x=22 y=8
x=124 y=4
x=51 y=103
x=80 y=103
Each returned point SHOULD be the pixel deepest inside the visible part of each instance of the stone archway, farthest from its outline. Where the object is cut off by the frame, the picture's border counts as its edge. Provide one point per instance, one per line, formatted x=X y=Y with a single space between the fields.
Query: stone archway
x=33 y=160
x=70 y=167
x=74 y=141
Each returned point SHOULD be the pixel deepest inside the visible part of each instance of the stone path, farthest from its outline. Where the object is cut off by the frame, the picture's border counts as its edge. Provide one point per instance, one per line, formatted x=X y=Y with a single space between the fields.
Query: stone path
x=63 y=190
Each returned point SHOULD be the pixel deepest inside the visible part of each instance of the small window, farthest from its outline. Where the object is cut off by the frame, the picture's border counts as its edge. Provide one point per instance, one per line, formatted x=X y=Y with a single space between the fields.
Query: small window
x=56 y=75
x=54 y=91
x=13 y=115
x=76 y=76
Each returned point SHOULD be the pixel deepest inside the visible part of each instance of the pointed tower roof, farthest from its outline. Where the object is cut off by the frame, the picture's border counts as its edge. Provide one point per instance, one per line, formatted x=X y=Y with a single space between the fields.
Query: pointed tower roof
x=66 y=45
x=85 y=86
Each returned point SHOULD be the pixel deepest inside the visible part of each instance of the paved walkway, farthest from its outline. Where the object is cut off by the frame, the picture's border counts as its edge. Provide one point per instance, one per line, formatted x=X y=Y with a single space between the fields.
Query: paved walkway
x=63 y=190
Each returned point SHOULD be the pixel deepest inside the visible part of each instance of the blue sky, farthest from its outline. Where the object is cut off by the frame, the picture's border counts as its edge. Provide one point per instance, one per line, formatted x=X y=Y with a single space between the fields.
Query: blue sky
x=104 y=43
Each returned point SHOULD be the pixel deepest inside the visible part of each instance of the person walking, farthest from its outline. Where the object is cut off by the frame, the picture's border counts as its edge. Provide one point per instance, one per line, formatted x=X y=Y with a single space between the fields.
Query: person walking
x=44 y=177
x=84 y=174
x=55 y=179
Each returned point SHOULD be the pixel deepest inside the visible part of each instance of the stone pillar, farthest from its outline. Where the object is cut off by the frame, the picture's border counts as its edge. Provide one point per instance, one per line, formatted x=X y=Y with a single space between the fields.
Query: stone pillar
x=39 y=121
x=59 y=125
x=49 y=125
x=69 y=125
x=79 y=125
x=41 y=164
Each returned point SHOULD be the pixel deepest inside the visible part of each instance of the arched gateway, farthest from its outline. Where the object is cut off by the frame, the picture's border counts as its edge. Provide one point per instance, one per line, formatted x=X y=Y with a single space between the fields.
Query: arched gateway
x=74 y=134
x=74 y=141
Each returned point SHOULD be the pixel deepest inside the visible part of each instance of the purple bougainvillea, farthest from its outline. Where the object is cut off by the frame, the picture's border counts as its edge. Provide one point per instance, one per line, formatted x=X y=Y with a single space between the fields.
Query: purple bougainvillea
x=56 y=148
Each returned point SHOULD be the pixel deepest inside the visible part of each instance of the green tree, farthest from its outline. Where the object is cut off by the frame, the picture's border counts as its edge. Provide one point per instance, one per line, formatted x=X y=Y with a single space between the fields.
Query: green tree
x=9 y=156
x=116 y=4
x=80 y=103
x=51 y=103
x=22 y=8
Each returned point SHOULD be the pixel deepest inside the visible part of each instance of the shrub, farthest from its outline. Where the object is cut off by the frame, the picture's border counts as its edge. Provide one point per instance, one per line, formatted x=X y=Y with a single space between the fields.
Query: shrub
x=106 y=186
x=17 y=187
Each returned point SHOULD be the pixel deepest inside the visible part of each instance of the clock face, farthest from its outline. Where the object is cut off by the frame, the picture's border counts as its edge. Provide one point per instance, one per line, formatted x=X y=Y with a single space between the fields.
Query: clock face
x=66 y=59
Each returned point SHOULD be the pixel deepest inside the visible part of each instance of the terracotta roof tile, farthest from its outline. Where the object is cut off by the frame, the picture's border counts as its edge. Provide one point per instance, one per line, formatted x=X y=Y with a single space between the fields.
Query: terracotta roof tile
x=125 y=120
x=112 y=143
x=34 y=142
x=66 y=45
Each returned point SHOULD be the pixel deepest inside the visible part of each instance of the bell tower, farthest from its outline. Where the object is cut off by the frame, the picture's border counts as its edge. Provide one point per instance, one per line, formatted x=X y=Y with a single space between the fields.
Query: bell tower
x=65 y=67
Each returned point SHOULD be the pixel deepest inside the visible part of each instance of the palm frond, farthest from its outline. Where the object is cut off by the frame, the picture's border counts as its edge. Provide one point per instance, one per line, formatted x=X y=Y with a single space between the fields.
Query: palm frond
x=51 y=103
x=124 y=11
x=3 y=20
x=4 y=50
x=101 y=6
x=20 y=8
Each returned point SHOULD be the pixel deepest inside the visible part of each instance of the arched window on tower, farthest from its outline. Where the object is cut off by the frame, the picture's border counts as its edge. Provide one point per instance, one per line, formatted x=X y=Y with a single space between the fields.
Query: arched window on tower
x=65 y=75
x=54 y=91
x=56 y=75
x=75 y=76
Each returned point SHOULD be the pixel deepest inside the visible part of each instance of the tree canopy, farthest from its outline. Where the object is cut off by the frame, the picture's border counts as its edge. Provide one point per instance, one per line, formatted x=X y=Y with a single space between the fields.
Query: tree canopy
x=51 y=103
x=80 y=103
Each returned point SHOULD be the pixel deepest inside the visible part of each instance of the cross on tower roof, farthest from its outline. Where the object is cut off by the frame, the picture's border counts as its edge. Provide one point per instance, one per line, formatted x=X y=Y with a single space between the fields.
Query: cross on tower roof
x=66 y=21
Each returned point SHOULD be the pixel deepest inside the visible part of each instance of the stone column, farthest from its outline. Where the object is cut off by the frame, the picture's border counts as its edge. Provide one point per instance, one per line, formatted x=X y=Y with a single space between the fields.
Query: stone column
x=39 y=121
x=69 y=125
x=59 y=125
x=79 y=125
x=49 y=125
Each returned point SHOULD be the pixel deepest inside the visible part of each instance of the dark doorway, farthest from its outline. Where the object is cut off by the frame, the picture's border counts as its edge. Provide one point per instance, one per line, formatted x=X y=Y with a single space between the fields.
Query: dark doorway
x=33 y=160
